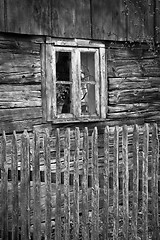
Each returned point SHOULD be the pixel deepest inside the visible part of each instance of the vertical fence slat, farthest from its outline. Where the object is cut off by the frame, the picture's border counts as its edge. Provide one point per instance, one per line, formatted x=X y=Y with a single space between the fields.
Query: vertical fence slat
x=95 y=187
x=67 y=186
x=116 y=184
x=15 y=198
x=36 y=189
x=135 y=180
x=25 y=186
x=106 y=183
x=125 y=182
x=47 y=186
x=58 y=188
x=4 y=189
x=155 y=169
x=145 y=182
x=85 y=230
x=76 y=186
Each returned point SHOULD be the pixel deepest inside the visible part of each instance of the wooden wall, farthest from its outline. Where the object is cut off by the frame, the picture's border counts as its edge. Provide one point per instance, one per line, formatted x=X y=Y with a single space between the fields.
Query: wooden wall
x=20 y=83
x=97 y=19
x=133 y=76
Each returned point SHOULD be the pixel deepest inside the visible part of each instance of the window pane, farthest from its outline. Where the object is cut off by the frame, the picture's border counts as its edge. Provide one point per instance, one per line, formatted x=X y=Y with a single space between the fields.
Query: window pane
x=63 y=65
x=88 y=103
x=87 y=66
x=63 y=82
x=63 y=98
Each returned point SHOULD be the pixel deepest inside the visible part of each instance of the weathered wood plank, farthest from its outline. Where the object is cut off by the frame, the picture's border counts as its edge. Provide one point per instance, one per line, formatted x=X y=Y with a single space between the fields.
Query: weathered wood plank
x=76 y=186
x=15 y=195
x=18 y=114
x=67 y=186
x=2 y=12
x=36 y=187
x=155 y=162
x=125 y=182
x=85 y=229
x=133 y=83
x=29 y=18
x=140 y=20
x=16 y=96
x=106 y=184
x=4 y=190
x=48 y=186
x=95 y=187
x=134 y=67
x=71 y=19
x=116 y=184
x=145 y=182
x=25 y=187
x=157 y=21
x=135 y=180
x=108 y=20
x=58 y=188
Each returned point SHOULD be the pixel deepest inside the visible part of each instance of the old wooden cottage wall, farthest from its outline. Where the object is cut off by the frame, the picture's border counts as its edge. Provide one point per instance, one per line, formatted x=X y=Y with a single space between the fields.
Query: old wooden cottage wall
x=132 y=68
x=133 y=76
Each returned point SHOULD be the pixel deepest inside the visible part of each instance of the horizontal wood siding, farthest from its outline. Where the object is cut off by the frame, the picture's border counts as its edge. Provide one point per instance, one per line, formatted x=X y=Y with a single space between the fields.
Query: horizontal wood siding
x=133 y=82
x=20 y=83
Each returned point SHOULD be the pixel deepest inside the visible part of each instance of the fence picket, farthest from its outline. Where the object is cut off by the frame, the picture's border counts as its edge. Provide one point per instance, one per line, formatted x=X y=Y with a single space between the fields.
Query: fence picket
x=155 y=170
x=125 y=182
x=95 y=187
x=58 y=188
x=36 y=186
x=76 y=187
x=47 y=186
x=106 y=184
x=67 y=186
x=15 y=198
x=116 y=184
x=25 y=187
x=4 y=190
x=145 y=182
x=85 y=229
x=135 y=180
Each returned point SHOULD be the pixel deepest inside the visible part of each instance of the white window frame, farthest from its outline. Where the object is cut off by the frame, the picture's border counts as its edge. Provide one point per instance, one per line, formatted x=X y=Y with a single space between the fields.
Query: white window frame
x=75 y=47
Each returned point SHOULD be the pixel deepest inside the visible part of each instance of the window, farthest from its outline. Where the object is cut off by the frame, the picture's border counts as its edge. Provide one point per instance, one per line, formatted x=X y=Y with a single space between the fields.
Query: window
x=74 y=83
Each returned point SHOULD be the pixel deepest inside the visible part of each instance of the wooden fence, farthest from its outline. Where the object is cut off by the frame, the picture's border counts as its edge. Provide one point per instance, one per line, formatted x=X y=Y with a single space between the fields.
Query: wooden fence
x=80 y=184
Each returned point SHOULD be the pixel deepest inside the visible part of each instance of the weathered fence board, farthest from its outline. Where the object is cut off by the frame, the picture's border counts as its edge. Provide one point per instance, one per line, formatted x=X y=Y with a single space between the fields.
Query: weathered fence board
x=125 y=182
x=82 y=194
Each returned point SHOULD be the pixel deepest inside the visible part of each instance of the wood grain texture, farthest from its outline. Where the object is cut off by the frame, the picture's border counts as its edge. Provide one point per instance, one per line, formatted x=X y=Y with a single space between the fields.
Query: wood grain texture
x=2 y=21
x=71 y=18
x=108 y=20
x=28 y=17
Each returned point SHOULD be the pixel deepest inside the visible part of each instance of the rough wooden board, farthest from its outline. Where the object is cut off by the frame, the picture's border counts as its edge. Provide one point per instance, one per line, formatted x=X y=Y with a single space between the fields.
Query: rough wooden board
x=157 y=21
x=2 y=26
x=108 y=20
x=71 y=18
x=140 y=20
x=28 y=17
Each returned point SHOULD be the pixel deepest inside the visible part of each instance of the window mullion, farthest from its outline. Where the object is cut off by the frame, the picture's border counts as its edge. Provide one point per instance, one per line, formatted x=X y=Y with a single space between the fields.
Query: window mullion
x=97 y=86
x=103 y=83
x=76 y=83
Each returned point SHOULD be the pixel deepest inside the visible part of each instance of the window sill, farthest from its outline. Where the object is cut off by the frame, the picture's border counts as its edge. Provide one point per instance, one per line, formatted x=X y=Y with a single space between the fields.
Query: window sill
x=77 y=120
